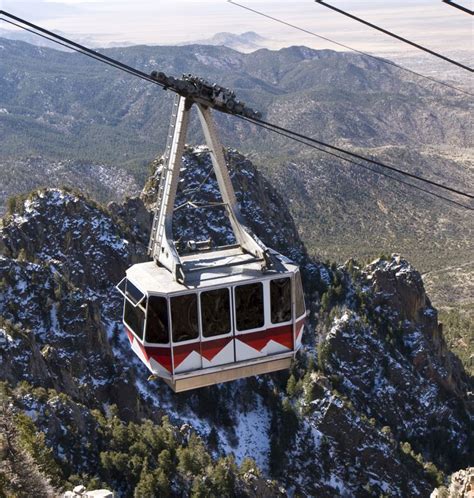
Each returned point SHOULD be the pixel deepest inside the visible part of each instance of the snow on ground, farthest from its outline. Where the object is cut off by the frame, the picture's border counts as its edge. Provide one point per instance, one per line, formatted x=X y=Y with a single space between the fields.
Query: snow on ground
x=337 y=483
x=252 y=432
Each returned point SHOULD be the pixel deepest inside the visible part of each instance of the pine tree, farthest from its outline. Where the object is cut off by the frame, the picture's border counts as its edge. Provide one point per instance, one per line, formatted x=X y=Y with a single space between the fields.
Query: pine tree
x=19 y=473
x=291 y=386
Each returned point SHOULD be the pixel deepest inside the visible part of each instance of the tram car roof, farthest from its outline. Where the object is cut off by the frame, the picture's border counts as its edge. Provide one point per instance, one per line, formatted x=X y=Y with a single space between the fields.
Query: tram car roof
x=211 y=269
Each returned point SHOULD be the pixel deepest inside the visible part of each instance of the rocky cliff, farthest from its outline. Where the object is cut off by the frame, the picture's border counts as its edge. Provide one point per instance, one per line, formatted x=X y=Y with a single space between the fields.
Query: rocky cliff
x=375 y=404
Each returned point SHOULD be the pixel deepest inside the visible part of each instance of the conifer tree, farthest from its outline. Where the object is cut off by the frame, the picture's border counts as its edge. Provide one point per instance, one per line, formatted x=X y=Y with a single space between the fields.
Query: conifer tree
x=20 y=475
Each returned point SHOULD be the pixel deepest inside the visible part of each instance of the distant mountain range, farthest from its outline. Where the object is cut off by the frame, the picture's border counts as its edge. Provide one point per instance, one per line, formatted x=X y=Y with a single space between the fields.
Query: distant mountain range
x=244 y=42
x=63 y=106
x=38 y=41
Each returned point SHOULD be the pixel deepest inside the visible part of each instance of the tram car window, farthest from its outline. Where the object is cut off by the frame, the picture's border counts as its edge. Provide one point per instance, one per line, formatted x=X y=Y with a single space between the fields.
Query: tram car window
x=157 y=330
x=215 y=312
x=184 y=317
x=280 y=299
x=300 y=307
x=249 y=306
x=134 y=318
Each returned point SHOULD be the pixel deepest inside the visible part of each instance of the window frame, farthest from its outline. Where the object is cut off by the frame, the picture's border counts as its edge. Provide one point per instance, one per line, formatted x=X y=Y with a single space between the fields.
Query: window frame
x=292 y=300
x=168 y=310
x=265 y=310
x=231 y=314
x=122 y=288
x=297 y=276
x=170 y=317
x=129 y=328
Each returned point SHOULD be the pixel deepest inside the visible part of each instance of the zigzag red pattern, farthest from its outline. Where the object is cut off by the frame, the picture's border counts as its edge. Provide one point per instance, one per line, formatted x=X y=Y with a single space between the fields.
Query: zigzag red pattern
x=180 y=353
x=258 y=340
x=209 y=349
x=161 y=355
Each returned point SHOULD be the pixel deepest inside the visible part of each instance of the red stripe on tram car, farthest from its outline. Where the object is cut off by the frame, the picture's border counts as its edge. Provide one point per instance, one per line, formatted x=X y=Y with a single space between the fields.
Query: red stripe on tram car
x=258 y=340
x=131 y=337
x=180 y=353
x=161 y=356
x=283 y=335
x=209 y=349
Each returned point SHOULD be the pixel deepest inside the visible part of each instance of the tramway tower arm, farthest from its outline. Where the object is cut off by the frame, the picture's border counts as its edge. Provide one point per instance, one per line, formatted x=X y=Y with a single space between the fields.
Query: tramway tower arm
x=241 y=232
x=162 y=245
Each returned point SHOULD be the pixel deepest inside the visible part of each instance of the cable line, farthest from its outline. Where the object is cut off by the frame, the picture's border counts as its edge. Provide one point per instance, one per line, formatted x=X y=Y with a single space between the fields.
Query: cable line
x=60 y=40
x=398 y=37
x=275 y=128
x=380 y=59
x=447 y=199
x=460 y=7
x=363 y=158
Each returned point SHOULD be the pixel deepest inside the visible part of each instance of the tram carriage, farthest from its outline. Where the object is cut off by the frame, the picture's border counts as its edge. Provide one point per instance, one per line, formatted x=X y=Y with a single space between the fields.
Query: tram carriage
x=214 y=314
x=224 y=324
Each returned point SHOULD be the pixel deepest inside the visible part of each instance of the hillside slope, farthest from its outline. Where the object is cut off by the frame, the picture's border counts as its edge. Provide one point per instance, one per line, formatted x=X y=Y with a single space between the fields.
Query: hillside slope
x=376 y=404
x=54 y=101
x=65 y=107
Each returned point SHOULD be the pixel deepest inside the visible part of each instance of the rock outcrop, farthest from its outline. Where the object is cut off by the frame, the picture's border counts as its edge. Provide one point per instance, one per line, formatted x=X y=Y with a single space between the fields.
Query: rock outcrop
x=387 y=354
x=461 y=486
x=375 y=404
x=265 y=211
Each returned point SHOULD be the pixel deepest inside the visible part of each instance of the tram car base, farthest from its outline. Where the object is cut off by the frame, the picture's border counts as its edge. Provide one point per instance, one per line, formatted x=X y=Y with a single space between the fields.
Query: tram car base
x=217 y=375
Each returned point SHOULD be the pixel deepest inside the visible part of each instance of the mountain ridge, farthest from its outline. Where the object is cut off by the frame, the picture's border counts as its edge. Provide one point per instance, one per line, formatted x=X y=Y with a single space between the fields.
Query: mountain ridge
x=66 y=363
x=68 y=110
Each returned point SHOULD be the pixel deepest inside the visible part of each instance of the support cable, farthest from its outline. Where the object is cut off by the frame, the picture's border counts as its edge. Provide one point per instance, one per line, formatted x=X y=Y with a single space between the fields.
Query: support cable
x=398 y=37
x=364 y=166
x=363 y=158
x=460 y=7
x=259 y=122
x=380 y=59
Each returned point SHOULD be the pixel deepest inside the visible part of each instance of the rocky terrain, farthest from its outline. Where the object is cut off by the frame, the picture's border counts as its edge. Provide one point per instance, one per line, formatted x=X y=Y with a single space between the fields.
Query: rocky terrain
x=375 y=405
x=100 y=181
x=67 y=109
x=461 y=485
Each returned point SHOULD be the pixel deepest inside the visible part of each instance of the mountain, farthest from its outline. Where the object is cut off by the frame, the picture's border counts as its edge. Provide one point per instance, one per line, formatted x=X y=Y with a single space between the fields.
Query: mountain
x=375 y=404
x=67 y=120
x=62 y=106
x=102 y=181
x=81 y=107
x=244 y=42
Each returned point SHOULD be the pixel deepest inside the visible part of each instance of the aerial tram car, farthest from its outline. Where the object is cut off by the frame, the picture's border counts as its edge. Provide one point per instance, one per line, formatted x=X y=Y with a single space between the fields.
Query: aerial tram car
x=211 y=314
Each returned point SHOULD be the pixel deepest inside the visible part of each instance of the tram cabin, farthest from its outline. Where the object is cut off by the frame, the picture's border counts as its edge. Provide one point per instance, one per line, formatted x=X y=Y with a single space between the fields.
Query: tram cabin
x=228 y=321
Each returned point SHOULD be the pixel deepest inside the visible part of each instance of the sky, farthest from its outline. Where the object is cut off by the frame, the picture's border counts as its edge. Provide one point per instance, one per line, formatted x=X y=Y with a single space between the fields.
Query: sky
x=428 y=22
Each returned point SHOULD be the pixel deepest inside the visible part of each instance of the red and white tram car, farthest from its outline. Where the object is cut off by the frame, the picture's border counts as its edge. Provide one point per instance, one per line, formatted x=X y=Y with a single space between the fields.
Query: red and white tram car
x=212 y=315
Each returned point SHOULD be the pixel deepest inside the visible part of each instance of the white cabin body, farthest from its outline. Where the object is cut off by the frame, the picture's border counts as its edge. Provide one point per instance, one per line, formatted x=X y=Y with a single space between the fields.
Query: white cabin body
x=227 y=321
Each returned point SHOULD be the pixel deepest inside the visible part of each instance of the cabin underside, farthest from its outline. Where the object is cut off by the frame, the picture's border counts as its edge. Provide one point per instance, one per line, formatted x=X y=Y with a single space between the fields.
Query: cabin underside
x=195 y=380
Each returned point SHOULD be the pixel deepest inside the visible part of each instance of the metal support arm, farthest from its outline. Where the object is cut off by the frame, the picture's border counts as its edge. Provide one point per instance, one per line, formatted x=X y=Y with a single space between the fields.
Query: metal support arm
x=162 y=247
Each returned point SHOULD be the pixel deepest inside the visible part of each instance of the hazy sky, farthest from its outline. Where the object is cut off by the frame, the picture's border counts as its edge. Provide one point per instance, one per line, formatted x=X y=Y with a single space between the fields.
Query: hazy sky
x=429 y=22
